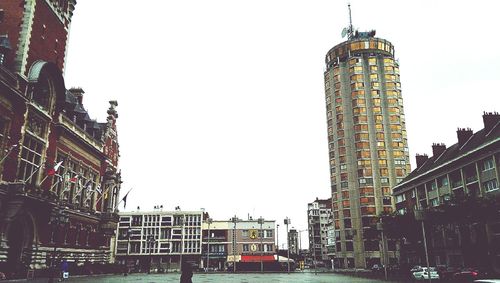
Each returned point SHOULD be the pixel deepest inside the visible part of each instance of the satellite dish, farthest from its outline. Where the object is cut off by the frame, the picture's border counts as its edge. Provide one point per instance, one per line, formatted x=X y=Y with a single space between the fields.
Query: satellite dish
x=344 y=32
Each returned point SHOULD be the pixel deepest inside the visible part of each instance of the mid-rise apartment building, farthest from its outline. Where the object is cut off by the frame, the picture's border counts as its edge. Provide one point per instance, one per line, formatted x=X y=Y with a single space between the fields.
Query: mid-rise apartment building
x=320 y=221
x=152 y=240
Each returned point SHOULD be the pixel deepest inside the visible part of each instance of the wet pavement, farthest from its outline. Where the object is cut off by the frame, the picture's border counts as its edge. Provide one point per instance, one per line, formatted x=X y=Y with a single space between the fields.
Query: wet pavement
x=297 y=277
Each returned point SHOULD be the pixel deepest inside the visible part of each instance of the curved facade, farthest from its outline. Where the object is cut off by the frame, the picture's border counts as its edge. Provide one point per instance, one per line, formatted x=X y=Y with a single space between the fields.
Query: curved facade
x=367 y=145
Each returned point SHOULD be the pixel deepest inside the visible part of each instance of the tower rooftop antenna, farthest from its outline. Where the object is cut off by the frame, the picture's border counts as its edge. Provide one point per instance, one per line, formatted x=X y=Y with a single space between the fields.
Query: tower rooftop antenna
x=351 y=30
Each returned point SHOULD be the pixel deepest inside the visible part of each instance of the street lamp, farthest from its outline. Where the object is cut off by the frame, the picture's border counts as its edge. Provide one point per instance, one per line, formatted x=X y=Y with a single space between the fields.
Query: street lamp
x=380 y=227
x=57 y=217
x=261 y=221
x=277 y=243
x=420 y=216
x=287 y=221
x=181 y=222
x=313 y=236
x=129 y=233
x=209 y=221
x=150 y=240
x=234 y=220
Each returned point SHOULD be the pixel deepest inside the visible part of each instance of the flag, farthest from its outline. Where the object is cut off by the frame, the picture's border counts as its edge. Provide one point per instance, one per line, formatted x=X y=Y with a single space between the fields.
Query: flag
x=124 y=199
x=98 y=189
x=53 y=171
x=73 y=179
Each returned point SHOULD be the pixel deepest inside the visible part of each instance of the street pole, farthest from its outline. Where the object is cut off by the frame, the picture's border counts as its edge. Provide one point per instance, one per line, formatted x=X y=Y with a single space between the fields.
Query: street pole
x=57 y=217
x=129 y=231
x=314 y=249
x=287 y=221
x=261 y=221
x=150 y=240
x=234 y=243
x=277 y=243
x=182 y=240
x=209 y=221
x=420 y=216
x=426 y=253
x=380 y=227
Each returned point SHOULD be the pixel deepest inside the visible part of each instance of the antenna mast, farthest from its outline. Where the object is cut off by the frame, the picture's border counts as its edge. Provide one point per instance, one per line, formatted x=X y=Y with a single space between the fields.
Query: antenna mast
x=350 y=22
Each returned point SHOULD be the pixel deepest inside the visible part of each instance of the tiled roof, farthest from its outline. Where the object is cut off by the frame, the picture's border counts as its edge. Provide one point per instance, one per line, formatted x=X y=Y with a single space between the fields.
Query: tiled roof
x=477 y=140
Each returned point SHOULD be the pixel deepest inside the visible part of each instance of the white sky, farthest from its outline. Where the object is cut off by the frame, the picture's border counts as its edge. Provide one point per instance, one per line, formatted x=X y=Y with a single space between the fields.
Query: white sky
x=221 y=103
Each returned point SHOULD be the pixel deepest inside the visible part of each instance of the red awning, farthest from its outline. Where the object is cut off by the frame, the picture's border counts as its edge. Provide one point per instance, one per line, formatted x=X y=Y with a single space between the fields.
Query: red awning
x=257 y=258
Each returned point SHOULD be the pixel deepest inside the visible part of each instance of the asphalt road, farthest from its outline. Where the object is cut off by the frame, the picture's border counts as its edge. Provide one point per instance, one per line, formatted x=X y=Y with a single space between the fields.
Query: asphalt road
x=298 y=277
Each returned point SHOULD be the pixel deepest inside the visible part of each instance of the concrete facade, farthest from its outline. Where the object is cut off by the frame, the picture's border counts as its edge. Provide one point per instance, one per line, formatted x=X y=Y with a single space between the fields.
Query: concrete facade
x=367 y=141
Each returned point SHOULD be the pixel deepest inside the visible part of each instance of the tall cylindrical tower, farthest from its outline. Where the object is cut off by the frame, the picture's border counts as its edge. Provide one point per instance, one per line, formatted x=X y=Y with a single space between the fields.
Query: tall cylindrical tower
x=367 y=144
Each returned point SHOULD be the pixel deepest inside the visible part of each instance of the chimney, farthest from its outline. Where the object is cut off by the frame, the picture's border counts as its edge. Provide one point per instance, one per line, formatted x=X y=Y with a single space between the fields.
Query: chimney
x=421 y=159
x=463 y=135
x=78 y=93
x=438 y=149
x=490 y=119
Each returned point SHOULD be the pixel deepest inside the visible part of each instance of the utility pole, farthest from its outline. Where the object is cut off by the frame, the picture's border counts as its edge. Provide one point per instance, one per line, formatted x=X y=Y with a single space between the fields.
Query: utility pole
x=234 y=220
x=209 y=221
x=261 y=221
x=287 y=221
x=277 y=243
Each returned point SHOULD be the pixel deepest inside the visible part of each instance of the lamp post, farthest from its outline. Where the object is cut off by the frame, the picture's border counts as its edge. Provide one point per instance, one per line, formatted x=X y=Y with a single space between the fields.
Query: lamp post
x=129 y=233
x=287 y=221
x=277 y=243
x=261 y=221
x=420 y=216
x=314 y=245
x=181 y=222
x=150 y=241
x=380 y=227
x=209 y=221
x=57 y=217
x=234 y=220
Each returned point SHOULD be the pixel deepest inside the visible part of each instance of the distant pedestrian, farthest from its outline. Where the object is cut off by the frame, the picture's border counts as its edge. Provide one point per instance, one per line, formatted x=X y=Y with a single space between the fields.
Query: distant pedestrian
x=64 y=270
x=187 y=272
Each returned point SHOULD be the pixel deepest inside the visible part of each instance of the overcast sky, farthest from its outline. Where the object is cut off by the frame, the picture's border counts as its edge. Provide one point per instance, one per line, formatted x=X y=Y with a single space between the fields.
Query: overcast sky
x=221 y=103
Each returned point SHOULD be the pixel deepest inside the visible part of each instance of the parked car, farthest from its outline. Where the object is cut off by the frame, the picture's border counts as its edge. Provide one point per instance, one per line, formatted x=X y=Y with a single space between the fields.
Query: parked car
x=425 y=273
x=446 y=272
x=415 y=268
x=466 y=274
x=377 y=267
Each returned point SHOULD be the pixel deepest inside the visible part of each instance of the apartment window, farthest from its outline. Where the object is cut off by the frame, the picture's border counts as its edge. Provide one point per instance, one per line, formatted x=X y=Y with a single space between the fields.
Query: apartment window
x=434 y=202
x=487 y=164
x=400 y=198
x=347 y=223
x=349 y=246
x=268 y=247
x=491 y=185
x=269 y=233
x=443 y=181
x=245 y=248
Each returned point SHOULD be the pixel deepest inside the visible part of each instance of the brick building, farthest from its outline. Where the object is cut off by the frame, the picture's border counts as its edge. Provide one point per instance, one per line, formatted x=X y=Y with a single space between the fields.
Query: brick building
x=458 y=179
x=59 y=177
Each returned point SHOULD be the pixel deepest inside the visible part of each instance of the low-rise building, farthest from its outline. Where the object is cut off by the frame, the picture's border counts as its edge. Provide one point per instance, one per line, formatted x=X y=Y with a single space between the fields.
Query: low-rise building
x=456 y=178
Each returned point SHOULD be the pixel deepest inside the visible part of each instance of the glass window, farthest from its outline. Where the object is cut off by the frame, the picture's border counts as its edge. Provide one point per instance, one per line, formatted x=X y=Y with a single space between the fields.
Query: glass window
x=491 y=185
x=31 y=158
x=487 y=164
